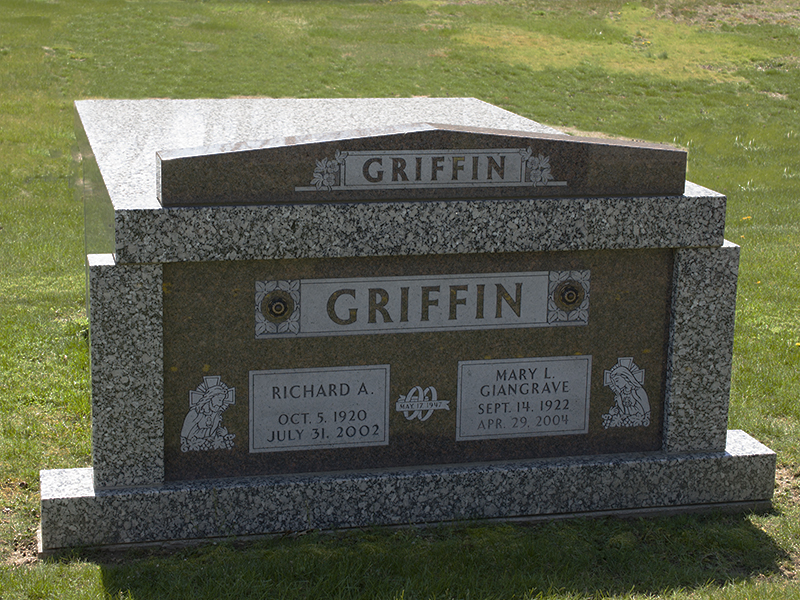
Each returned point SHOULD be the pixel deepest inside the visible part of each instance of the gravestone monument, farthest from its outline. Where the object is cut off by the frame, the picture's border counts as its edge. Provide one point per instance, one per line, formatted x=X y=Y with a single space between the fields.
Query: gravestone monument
x=339 y=313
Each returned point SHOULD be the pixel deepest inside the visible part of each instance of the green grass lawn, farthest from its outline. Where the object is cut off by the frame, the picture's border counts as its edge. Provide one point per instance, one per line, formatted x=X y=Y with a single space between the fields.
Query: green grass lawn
x=719 y=79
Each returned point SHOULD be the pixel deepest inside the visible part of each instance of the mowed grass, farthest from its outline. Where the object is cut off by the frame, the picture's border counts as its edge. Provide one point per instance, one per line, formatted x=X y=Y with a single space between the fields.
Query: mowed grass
x=719 y=79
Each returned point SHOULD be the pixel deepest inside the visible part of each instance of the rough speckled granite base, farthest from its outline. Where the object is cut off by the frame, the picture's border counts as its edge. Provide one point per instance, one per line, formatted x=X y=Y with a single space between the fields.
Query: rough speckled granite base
x=701 y=348
x=73 y=514
x=127 y=372
x=433 y=227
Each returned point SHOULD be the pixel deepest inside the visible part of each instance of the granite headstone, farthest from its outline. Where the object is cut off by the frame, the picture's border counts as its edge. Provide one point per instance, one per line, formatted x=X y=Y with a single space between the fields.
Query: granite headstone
x=337 y=313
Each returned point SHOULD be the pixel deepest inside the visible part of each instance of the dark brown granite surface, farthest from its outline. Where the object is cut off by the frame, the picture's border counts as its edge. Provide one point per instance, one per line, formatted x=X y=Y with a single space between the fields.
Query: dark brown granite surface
x=405 y=166
x=209 y=331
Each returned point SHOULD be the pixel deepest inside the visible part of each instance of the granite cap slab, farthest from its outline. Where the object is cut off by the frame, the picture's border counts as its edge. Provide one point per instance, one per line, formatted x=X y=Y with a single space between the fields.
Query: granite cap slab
x=126 y=134
x=119 y=141
x=416 y=162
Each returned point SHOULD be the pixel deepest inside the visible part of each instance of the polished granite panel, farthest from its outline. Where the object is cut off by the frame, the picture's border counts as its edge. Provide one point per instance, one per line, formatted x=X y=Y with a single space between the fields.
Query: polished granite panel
x=209 y=331
x=419 y=162
x=74 y=514
x=123 y=456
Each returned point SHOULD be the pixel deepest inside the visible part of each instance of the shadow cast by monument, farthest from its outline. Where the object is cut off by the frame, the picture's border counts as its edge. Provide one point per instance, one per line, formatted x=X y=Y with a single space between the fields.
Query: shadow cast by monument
x=594 y=557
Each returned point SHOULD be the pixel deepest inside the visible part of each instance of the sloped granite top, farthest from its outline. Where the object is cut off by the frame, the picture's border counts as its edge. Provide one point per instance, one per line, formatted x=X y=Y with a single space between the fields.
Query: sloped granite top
x=126 y=134
x=120 y=140
x=425 y=161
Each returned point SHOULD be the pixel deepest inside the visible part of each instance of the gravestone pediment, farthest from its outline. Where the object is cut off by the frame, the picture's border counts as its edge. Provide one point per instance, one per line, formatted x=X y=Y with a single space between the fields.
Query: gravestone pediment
x=417 y=162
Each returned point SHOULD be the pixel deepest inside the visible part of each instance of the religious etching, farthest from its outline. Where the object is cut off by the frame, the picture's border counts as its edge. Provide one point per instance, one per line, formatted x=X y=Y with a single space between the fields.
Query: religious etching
x=312 y=409
x=420 y=403
x=369 y=305
x=631 y=406
x=202 y=427
x=277 y=307
x=569 y=297
x=524 y=397
x=387 y=169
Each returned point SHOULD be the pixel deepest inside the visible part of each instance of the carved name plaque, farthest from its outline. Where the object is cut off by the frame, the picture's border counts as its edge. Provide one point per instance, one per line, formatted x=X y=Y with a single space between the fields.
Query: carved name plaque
x=325 y=307
x=306 y=409
x=521 y=398
x=421 y=161
x=372 y=170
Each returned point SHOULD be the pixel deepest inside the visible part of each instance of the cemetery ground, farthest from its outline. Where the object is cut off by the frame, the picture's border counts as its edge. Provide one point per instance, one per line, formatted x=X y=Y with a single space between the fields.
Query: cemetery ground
x=719 y=79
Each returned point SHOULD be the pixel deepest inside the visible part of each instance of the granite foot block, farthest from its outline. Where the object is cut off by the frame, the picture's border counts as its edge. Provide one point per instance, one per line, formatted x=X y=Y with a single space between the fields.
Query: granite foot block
x=74 y=514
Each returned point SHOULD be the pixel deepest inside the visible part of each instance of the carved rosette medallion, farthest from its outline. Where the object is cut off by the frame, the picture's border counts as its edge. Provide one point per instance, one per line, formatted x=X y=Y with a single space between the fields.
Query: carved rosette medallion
x=568 y=300
x=277 y=307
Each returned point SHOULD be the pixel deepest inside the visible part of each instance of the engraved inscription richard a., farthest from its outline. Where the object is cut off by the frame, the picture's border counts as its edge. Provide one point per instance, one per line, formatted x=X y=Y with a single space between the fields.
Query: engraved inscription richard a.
x=304 y=409
x=523 y=397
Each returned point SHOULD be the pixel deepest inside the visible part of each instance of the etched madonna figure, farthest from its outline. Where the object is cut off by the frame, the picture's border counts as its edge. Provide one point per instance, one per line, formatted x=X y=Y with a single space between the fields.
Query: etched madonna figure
x=631 y=405
x=202 y=427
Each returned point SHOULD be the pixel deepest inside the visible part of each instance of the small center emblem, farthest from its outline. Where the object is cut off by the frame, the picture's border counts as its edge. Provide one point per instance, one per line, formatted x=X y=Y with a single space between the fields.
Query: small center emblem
x=420 y=403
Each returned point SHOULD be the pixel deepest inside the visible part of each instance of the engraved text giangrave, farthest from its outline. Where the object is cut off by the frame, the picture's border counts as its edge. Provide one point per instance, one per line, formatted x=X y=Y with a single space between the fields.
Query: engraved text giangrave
x=523 y=398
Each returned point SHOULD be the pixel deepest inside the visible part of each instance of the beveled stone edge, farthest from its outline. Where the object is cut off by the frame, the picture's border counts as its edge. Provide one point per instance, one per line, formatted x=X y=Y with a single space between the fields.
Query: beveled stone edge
x=415 y=228
x=700 y=352
x=743 y=473
x=398 y=129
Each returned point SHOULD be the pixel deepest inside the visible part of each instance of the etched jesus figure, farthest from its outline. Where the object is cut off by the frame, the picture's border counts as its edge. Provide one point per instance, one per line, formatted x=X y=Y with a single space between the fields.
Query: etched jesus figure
x=202 y=427
x=631 y=405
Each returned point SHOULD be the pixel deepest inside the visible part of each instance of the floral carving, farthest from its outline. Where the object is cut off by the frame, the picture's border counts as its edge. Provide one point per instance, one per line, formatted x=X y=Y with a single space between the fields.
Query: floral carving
x=328 y=173
x=537 y=169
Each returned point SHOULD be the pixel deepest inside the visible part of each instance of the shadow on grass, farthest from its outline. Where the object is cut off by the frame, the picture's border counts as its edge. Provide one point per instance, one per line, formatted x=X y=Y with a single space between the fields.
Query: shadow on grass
x=596 y=557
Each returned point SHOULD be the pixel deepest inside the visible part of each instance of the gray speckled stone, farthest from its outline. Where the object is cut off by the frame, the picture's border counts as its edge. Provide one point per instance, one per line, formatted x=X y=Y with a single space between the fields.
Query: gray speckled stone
x=701 y=348
x=432 y=227
x=122 y=137
x=73 y=514
x=127 y=373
